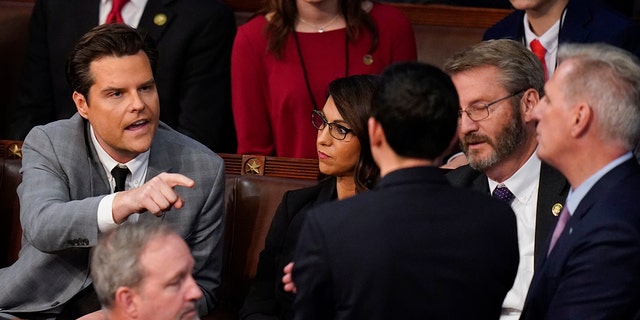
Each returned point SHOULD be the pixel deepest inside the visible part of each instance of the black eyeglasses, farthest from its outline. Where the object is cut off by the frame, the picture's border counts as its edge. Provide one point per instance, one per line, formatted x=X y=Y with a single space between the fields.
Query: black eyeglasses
x=480 y=111
x=337 y=131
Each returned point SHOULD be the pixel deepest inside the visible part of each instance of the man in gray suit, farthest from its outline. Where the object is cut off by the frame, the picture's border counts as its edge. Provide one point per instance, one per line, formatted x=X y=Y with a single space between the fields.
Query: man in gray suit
x=499 y=82
x=69 y=176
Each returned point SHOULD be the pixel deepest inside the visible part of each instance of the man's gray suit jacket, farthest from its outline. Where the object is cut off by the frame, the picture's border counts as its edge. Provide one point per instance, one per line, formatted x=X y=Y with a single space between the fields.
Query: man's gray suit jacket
x=63 y=183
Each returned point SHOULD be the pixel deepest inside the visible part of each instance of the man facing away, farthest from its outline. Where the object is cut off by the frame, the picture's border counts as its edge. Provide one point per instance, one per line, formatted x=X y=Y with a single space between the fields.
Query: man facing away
x=143 y=271
x=588 y=124
x=499 y=83
x=414 y=247
x=72 y=167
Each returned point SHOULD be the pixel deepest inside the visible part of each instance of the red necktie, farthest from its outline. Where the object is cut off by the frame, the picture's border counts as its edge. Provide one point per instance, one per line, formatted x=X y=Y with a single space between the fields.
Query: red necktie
x=562 y=222
x=115 y=16
x=540 y=52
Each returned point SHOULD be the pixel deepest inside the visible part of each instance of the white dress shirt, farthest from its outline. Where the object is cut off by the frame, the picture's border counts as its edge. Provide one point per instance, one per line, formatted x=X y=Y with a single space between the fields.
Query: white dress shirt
x=549 y=41
x=138 y=167
x=524 y=185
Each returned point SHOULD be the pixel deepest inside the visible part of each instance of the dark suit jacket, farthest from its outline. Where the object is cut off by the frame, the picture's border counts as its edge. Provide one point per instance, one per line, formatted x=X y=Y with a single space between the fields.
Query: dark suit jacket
x=586 y=21
x=552 y=189
x=192 y=74
x=593 y=271
x=62 y=185
x=414 y=247
x=267 y=298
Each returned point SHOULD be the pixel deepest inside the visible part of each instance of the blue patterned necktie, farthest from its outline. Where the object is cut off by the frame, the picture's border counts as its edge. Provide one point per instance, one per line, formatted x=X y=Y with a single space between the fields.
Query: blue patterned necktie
x=501 y=192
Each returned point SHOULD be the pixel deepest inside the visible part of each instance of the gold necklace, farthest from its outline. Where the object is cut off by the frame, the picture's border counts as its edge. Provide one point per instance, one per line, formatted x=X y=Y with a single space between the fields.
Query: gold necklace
x=320 y=29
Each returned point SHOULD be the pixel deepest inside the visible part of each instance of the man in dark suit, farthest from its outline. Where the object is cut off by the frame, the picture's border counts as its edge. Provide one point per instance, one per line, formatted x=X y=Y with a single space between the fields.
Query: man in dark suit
x=71 y=190
x=414 y=247
x=194 y=40
x=554 y=22
x=499 y=82
x=588 y=124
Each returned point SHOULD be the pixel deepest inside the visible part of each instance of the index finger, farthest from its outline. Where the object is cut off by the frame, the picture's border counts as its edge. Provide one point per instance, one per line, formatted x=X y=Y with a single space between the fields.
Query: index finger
x=176 y=179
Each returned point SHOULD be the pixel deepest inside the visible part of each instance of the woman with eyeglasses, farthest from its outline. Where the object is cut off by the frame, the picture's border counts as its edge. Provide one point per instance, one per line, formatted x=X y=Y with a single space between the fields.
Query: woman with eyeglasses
x=284 y=58
x=345 y=159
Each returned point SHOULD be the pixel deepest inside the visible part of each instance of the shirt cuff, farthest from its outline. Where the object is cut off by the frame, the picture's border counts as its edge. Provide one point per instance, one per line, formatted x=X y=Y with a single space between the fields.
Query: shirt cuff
x=105 y=213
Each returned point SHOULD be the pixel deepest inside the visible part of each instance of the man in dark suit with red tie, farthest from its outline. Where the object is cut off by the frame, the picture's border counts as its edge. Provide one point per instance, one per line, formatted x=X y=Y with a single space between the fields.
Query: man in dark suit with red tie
x=553 y=22
x=193 y=38
x=588 y=125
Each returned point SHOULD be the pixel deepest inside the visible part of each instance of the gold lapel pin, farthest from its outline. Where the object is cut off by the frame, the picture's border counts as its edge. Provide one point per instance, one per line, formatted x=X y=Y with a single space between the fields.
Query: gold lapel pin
x=160 y=19
x=556 y=209
x=367 y=59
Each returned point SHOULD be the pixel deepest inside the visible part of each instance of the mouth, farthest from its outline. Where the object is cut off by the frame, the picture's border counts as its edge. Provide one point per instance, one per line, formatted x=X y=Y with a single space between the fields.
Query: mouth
x=322 y=155
x=138 y=125
x=473 y=141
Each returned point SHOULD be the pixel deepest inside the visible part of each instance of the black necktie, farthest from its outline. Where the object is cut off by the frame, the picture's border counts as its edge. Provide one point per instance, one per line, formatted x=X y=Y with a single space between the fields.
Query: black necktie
x=120 y=175
x=501 y=192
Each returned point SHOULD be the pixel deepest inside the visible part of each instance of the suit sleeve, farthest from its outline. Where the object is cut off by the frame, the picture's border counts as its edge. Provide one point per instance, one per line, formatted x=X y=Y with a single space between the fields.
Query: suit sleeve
x=34 y=101
x=249 y=97
x=600 y=278
x=50 y=218
x=261 y=301
x=205 y=93
x=206 y=242
x=312 y=274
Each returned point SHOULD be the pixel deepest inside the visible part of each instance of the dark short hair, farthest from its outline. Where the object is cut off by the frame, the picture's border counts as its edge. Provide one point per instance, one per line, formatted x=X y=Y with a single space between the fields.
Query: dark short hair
x=417 y=107
x=352 y=96
x=115 y=40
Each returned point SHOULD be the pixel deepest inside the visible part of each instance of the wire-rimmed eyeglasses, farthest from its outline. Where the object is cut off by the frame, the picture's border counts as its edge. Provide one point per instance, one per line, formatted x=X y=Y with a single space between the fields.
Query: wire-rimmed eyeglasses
x=337 y=131
x=480 y=111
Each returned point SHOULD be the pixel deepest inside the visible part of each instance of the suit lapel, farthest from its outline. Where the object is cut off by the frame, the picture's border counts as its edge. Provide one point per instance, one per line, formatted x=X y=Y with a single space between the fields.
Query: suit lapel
x=156 y=17
x=552 y=190
x=99 y=182
x=574 y=27
x=159 y=162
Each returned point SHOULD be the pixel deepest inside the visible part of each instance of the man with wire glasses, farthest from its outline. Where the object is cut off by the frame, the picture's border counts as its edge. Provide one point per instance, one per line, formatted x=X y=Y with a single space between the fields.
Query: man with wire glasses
x=499 y=83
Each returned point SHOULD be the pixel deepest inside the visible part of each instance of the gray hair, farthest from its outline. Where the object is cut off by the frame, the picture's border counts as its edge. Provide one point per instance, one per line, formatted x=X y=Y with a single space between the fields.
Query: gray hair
x=115 y=261
x=609 y=79
x=520 y=69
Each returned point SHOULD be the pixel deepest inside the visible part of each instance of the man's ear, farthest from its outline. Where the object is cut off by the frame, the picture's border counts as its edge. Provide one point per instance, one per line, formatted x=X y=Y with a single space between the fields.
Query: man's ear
x=81 y=104
x=582 y=118
x=125 y=300
x=529 y=100
x=376 y=134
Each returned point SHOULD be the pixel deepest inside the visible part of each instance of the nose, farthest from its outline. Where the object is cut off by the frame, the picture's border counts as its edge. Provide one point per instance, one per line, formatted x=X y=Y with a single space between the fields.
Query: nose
x=466 y=125
x=324 y=137
x=193 y=291
x=137 y=104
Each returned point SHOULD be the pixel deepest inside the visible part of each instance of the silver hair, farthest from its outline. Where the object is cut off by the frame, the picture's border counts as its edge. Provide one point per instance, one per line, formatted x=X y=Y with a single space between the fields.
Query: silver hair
x=115 y=261
x=609 y=79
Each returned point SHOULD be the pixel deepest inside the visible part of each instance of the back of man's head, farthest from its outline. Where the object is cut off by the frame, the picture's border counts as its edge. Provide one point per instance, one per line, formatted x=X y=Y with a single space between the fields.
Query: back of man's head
x=115 y=40
x=417 y=106
x=519 y=67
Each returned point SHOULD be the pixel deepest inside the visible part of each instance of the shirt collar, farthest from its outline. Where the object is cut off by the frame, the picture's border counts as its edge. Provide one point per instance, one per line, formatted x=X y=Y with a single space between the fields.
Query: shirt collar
x=575 y=196
x=520 y=183
x=137 y=165
x=549 y=39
